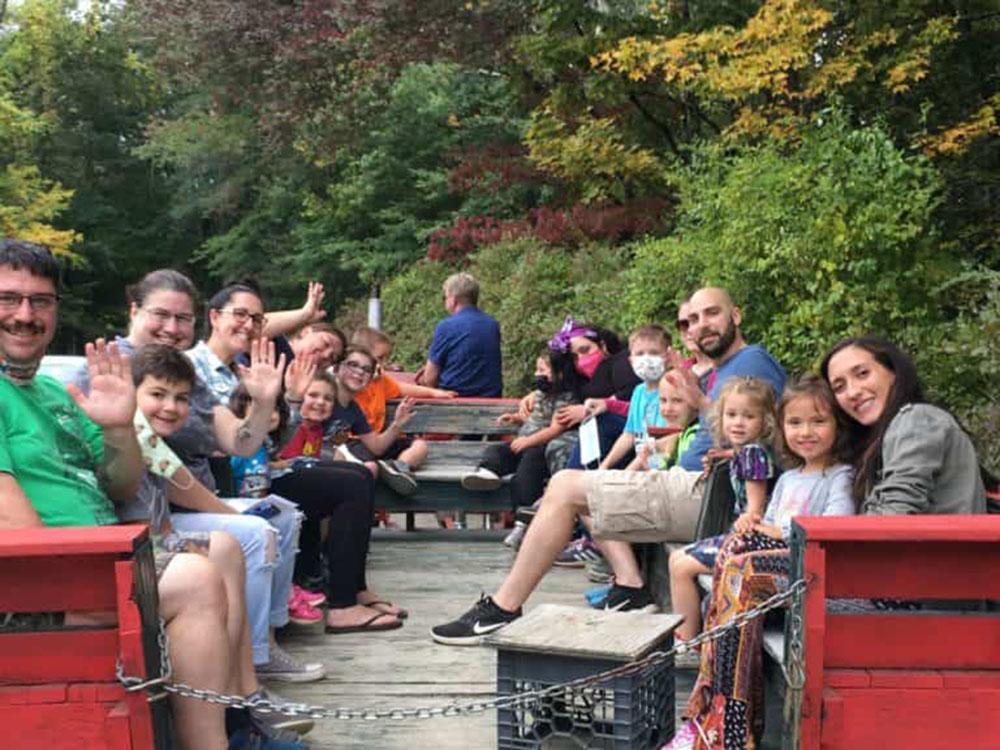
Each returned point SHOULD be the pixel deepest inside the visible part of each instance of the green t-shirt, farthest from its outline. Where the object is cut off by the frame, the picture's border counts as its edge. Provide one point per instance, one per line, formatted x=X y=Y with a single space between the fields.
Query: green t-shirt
x=53 y=450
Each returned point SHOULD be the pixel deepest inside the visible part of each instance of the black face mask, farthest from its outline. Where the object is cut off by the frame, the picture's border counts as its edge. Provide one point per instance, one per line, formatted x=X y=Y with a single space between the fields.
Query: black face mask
x=541 y=383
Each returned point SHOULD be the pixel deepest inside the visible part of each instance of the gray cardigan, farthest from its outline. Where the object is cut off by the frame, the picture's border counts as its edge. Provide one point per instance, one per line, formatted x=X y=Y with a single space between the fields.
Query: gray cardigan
x=928 y=466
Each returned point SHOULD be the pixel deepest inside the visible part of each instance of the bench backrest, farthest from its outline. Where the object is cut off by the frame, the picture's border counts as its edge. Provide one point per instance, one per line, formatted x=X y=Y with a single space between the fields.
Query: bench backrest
x=459 y=416
x=878 y=676
x=81 y=569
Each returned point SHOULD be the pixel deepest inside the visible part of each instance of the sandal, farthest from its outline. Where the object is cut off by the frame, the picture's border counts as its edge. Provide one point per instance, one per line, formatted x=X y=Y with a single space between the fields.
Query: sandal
x=366 y=626
x=402 y=614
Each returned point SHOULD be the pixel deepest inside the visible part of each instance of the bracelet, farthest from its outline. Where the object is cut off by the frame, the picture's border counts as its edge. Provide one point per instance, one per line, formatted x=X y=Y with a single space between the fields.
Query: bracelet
x=292 y=401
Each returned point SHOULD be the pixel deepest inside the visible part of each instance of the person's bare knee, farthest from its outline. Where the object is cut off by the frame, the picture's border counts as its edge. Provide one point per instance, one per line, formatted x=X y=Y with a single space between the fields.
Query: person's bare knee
x=416 y=454
x=192 y=582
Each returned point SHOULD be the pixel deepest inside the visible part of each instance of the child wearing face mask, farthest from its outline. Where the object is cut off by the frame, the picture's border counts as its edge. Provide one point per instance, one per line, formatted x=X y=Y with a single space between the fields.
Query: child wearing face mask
x=556 y=384
x=649 y=348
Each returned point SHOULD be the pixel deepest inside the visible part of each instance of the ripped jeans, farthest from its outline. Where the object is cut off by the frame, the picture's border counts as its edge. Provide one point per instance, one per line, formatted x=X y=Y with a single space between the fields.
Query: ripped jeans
x=269 y=548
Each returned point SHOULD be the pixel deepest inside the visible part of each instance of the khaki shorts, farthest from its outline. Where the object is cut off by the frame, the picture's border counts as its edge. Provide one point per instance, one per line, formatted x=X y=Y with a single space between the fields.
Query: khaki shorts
x=645 y=506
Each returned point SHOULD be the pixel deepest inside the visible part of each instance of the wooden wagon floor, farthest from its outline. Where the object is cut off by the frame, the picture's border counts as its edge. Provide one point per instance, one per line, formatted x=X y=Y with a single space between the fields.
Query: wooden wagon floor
x=435 y=580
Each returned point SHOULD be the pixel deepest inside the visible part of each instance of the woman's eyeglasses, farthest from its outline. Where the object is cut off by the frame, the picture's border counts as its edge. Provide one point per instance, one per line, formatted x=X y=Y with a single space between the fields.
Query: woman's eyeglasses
x=241 y=315
x=163 y=317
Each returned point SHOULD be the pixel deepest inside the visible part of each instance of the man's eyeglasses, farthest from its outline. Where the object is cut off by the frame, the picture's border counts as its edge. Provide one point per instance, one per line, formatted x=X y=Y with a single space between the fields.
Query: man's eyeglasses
x=242 y=315
x=360 y=368
x=163 y=317
x=37 y=302
x=683 y=325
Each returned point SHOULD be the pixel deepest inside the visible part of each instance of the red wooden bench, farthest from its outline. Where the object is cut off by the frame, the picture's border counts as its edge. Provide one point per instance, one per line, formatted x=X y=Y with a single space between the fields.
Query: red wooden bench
x=900 y=679
x=58 y=687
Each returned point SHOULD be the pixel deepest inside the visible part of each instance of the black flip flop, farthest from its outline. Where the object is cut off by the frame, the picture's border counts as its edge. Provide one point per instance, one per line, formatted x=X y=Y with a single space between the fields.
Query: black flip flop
x=402 y=614
x=366 y=626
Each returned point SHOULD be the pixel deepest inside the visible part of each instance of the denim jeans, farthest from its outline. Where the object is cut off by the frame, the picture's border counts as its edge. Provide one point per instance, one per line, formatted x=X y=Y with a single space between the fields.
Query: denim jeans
x=269 y=549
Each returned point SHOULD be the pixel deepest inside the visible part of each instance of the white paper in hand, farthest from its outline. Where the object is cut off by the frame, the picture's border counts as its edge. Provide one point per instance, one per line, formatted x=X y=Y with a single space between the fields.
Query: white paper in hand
x=590 y=442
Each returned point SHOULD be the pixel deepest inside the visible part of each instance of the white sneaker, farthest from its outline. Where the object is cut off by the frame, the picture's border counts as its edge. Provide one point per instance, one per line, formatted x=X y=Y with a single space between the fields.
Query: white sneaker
x=283 y=667
x=481 y=480
x=344 y=454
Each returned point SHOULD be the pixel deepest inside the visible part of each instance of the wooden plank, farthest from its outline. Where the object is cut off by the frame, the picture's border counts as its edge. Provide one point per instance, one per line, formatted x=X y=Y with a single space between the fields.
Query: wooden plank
x=939 y=528
x=58 y=656
x=458 y=416
x=814 y=616
x=66 y=726
x=932 y=569
x=58 y=583
x=913 y=719
x=79 y=540
x=575 y=631
x=912 y=640
x=21 y=695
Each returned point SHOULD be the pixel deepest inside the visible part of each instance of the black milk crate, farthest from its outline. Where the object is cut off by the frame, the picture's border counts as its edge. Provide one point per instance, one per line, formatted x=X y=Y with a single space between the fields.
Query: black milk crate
x=630 y=711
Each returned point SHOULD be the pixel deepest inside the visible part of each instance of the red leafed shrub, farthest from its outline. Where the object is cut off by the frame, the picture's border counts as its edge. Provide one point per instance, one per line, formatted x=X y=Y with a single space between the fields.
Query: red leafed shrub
x=555 y=226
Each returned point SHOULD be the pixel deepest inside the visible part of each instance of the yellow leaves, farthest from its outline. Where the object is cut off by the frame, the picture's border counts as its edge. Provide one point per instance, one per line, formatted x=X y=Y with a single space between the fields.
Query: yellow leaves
x=913 y=63
x=956 y=139
x=28 y=203
x=594 y=156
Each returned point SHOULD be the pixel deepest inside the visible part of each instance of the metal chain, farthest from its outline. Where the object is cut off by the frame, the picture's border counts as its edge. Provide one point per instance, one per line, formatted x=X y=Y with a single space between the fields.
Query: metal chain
x=795 y=672
x=263 y=705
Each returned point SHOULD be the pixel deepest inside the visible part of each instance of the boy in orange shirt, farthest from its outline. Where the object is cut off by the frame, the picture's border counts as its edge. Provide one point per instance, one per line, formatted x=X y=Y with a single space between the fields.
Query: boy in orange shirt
x=406 y=454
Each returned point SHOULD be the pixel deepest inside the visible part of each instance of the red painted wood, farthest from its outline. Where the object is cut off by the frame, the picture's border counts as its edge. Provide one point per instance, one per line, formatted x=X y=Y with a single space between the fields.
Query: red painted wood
x=65 y=726
x=847 y=678
x=19 y=695
x=925 y=679
x=57 y=584
x=82 y=540
x=912 y=640
x=933 y=570
x=814 y=610
x=972 y=679
x=95 y=692
x=58 y=656
x=946 y=528
x=911 y=719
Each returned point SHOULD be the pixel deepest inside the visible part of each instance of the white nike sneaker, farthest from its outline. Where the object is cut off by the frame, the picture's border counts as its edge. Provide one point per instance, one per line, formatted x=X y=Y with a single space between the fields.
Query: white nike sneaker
x=470 y=629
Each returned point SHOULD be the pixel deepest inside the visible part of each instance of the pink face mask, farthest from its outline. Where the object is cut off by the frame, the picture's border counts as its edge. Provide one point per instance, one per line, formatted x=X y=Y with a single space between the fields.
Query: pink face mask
x=586 y=364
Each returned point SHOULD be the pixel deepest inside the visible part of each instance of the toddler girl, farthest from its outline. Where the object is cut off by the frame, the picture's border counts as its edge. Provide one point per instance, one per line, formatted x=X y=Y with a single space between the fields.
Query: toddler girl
x=744 y=425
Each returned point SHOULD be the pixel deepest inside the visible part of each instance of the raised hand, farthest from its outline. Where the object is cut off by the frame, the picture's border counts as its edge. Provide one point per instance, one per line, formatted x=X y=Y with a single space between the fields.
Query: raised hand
x=298 y=376
x=312 y=308
x=263 y=377
x=686 y=383
x=404 y=412
x=111 y=401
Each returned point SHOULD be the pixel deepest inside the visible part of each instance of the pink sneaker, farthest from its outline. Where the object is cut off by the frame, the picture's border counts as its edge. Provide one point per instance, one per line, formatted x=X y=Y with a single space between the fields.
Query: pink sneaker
x=312 y=598
x=683 y=738
x=302 y=613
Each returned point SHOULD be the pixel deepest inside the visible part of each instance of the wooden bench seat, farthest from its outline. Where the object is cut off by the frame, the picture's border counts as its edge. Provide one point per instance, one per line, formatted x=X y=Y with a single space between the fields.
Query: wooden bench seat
x=457 y=431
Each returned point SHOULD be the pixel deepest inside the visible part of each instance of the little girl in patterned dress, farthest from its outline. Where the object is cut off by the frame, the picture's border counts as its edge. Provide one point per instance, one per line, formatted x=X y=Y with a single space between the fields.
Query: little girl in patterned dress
x=744 y=424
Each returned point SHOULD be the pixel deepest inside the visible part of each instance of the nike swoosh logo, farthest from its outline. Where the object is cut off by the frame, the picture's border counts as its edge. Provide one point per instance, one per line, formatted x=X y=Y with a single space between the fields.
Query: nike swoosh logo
x=484 y=629
x=618 y=606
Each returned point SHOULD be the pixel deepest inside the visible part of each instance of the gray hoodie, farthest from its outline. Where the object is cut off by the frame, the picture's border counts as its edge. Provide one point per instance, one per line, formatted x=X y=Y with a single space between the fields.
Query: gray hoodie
x=928 y=466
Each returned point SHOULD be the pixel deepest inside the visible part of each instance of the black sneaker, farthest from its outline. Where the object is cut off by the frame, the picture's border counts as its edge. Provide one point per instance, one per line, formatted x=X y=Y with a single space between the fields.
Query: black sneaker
x=628 y=599
x=470 y=629
x=398 y=476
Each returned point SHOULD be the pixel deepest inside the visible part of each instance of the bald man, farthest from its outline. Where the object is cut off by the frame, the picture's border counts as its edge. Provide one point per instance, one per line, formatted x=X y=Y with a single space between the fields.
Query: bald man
x=626 y=506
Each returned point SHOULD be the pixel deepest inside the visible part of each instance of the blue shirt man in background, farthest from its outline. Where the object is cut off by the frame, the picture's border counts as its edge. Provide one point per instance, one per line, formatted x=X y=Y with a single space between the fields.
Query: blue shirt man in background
x=465 y=351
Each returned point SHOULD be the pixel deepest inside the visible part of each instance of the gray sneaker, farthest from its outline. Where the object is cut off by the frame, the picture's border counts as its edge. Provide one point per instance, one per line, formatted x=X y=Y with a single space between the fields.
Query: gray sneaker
x=284 y=668
x=398 y=476
x=480 y=480
x=277 y=721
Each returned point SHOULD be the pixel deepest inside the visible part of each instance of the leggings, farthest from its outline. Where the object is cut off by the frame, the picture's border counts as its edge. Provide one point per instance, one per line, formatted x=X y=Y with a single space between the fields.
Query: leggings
x=344 y=493
x=529 y=468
